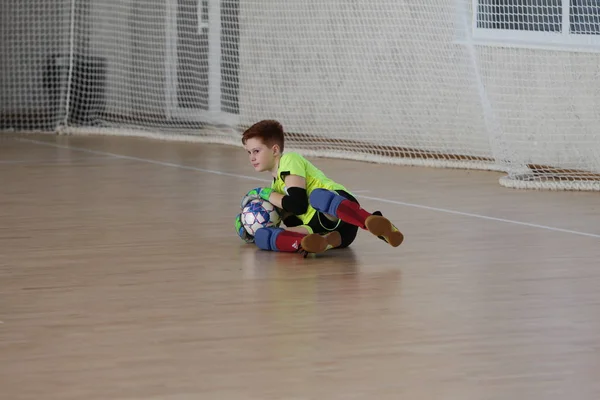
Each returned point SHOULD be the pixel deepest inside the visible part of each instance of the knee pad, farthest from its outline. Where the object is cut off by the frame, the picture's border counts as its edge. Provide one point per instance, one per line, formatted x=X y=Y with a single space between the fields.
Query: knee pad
x=325 y=201
x=265 y=238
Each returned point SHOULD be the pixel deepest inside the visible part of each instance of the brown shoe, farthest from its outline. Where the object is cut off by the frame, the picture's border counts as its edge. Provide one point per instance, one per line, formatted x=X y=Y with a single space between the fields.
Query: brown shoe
x=317 y=243
x=381 y=227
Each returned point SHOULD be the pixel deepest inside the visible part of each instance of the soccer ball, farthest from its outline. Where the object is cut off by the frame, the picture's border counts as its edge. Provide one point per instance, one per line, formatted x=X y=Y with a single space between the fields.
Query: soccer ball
x=259 y=214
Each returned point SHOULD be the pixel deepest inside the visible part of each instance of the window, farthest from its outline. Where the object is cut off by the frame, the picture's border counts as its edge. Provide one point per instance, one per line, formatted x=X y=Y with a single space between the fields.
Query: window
x=584 y=17
x=570 y=24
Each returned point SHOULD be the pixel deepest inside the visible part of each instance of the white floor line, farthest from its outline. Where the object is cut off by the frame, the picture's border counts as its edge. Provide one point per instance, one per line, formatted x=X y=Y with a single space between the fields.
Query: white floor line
x=400 y=203
x=145 y=160
x=50 y=161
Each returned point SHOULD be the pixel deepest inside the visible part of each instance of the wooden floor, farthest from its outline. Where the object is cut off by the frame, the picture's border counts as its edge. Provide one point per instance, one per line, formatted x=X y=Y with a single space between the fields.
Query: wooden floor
x=121 y=277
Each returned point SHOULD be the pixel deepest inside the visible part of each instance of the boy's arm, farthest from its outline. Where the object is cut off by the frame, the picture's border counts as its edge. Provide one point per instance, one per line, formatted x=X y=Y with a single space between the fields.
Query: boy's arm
x=275 y=199
x=295 y=181
x=295 y=201
x=295 y=197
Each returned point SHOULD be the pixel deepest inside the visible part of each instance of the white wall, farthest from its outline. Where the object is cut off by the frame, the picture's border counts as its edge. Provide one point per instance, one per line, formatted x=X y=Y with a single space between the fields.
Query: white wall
x=547 y=104
x=392 y=71
x=130 y=34
x=386 y=70
x=111 y=39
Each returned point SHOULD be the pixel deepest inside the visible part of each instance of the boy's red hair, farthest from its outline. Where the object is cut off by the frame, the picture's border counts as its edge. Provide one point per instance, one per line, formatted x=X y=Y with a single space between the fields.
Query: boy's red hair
x=269 y=131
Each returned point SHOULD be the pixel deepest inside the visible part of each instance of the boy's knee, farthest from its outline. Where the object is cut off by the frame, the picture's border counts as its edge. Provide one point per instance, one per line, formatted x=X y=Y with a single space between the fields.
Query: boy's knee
x=265 y=238
x=325 y=201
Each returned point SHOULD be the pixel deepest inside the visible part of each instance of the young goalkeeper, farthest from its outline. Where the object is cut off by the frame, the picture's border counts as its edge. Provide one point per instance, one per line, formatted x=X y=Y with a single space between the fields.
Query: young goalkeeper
x=318 y=213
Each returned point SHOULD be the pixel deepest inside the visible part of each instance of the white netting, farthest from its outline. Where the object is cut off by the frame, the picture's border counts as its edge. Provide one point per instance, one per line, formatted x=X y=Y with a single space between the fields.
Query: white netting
x=387 y=81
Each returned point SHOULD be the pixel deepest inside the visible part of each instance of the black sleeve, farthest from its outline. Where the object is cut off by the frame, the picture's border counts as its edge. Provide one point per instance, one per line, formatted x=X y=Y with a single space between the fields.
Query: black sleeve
x=296 y=201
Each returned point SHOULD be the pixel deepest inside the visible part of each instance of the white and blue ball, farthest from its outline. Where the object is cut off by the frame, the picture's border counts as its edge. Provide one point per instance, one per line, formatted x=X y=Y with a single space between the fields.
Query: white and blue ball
x=259 y=214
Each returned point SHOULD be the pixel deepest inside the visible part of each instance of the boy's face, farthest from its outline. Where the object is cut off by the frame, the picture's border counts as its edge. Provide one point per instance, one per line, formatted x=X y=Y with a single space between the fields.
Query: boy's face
x=261 y=156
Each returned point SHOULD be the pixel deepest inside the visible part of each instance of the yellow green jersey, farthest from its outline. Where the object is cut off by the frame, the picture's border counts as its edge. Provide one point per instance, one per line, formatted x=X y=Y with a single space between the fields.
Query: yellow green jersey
x=295 y=164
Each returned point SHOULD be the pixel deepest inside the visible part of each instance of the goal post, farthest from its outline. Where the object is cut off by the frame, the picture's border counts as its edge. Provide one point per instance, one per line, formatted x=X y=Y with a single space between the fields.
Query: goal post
x=450 y=83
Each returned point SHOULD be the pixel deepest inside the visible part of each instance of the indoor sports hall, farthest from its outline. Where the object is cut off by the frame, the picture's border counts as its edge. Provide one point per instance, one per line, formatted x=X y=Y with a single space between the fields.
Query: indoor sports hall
x=473 y=130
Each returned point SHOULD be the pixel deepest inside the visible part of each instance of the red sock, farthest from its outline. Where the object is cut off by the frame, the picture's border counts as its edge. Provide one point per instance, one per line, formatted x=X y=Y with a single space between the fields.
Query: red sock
x=288 y=241
x=350 y=212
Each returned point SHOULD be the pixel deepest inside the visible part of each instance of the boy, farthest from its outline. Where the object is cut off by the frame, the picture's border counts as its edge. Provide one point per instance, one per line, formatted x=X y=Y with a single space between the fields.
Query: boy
x=318 y=213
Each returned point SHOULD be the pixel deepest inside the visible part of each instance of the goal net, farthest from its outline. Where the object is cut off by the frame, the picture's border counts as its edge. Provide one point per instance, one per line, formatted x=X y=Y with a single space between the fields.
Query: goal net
x=402 y=82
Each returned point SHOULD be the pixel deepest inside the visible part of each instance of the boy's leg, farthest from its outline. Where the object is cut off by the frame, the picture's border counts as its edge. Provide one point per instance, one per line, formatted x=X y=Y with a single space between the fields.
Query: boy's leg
x=318 y=243
x=329 y=202
x=381 y=227
x=278 y=239
x=291 y=241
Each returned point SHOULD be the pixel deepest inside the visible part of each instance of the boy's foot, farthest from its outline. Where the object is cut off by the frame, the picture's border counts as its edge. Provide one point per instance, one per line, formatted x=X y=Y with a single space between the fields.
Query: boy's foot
x=316 y=243
x=381 y=227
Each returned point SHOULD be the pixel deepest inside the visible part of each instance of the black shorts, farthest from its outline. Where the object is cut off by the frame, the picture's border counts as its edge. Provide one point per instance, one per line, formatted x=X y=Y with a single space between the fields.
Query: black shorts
x=321 y=224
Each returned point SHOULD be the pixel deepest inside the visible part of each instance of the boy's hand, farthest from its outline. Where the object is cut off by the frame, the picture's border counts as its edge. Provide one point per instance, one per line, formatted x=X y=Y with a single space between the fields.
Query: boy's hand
x=257 y=193
x=241 y=231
